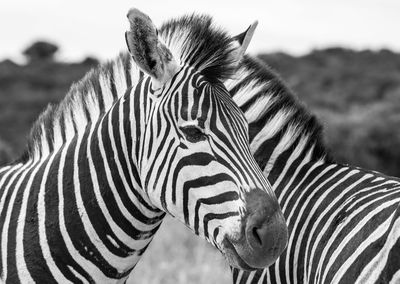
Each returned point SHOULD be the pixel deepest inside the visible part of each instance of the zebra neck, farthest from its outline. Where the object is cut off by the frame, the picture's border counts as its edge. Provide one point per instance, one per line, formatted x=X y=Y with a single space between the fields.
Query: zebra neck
x=123 y=213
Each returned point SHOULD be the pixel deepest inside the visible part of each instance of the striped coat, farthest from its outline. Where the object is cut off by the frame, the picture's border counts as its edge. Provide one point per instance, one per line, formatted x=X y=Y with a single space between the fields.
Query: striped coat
x=343 y=220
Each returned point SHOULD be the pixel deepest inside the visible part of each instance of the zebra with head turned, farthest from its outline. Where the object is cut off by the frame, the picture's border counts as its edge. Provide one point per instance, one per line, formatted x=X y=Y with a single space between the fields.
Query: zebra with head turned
x=147 y=134
x=344 y=221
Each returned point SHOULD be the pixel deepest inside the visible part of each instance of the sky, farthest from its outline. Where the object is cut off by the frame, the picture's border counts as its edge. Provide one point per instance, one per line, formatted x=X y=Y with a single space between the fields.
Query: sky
x=96 y=28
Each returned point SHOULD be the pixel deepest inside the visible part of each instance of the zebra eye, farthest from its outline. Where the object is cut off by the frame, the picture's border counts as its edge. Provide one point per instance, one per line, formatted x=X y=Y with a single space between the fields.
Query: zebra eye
x=193 y=133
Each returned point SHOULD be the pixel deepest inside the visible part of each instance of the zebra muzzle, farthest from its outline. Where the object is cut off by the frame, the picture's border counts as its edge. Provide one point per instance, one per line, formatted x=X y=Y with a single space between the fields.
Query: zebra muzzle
x=264 y=235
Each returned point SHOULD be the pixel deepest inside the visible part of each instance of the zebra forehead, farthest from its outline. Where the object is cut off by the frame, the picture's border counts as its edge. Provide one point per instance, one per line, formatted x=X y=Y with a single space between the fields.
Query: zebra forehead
x=196 y=41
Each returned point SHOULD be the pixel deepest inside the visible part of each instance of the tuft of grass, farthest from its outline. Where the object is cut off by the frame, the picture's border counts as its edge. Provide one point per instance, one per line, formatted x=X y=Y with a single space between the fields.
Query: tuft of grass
x=176 y=255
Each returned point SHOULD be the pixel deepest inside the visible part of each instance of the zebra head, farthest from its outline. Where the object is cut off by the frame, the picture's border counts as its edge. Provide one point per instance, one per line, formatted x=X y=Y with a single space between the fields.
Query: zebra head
x=195 y=162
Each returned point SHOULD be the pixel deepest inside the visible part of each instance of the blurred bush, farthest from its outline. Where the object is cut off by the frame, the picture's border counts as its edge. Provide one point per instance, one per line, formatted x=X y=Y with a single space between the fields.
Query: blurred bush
x=40 y=51
x=357 y=96
x=25 y=90
x=338 y=78
x=5 y=153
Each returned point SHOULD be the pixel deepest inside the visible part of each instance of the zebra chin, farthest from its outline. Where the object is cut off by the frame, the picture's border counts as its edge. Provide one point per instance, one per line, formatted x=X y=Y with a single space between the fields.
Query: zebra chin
x=263 y=236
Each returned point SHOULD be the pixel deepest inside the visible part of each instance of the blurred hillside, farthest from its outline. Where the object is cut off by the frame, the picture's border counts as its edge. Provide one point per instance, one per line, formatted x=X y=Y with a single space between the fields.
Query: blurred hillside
x=25 y=90
x=355 y=93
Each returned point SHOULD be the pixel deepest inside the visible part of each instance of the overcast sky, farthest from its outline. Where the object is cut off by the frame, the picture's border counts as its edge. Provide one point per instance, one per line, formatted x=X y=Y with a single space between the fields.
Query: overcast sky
x=89 y=27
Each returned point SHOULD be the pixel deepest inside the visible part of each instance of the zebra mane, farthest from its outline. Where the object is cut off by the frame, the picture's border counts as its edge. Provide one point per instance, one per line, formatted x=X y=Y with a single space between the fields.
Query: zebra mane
x=194 y=40
x=276 y=116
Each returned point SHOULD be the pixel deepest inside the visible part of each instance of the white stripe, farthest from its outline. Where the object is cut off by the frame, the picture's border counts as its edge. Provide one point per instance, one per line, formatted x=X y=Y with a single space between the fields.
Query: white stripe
x=301 y=183
x=259 y=108
x=349 y=235
x=77 y=275
x=251 y=276
x=312 y=213
x=89 y=267
x=342 y=225
x=369 y=191
x=240 y=275
x=3 y=169
x=129 y=191
x=240 y=75
x=4 y=235
x=108 y=98
x=372 y=271
x=271 y=128
x=41 y=207
x=396 y=278
x=252 y=88
x=295 y=154
x=135 y=222
x=112 y=259
x=263 y=276
x=301 y=213
x=23 y=273
x=284 y=143
x=133 y=244
x=269 y=281
x=119 y=77
x=4 y=178
x=289 y=186
x=378 y=232
x=136 y=186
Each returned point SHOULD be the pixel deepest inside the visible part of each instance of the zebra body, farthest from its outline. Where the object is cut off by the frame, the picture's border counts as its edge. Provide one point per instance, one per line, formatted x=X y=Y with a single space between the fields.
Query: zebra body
x=343 y=221
x=150 y=133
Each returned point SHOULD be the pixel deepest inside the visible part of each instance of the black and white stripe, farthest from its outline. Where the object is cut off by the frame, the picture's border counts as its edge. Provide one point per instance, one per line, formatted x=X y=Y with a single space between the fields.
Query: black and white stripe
x=344 y=221
x=105 y=165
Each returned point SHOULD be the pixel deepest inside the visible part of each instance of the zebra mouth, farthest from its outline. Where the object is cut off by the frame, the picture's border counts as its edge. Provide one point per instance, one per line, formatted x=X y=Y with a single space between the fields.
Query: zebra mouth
x=233 y=257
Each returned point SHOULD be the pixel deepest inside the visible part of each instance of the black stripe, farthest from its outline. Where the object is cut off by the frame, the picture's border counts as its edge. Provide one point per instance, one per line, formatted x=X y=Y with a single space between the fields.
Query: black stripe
x=213 y=216
x=195 y=159
x=34 y=245
x=202 y=182
x=59 y=251
x=218 y=199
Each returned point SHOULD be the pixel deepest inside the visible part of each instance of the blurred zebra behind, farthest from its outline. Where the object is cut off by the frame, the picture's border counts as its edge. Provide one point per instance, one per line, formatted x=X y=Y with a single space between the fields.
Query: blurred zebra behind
x=344 y=221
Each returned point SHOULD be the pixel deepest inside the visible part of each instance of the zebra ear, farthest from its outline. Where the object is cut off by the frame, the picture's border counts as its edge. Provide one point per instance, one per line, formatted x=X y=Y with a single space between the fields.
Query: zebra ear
x=149 y=53
x=242 y=41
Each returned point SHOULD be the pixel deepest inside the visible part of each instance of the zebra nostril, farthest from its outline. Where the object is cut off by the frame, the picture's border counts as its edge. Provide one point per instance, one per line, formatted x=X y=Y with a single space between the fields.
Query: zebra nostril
x=257 y=236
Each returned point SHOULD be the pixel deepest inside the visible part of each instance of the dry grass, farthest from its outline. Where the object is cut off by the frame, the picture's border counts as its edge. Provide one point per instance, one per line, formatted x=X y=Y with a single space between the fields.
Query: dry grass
x=176 y=256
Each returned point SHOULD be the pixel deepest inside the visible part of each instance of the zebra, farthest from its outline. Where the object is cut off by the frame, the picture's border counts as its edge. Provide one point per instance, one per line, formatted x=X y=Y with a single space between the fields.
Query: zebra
x=151 y=133
x=344 y=221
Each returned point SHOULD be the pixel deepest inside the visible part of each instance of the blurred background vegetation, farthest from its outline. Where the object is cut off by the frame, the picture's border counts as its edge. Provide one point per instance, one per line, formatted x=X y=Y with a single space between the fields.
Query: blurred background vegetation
x=356 y=94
